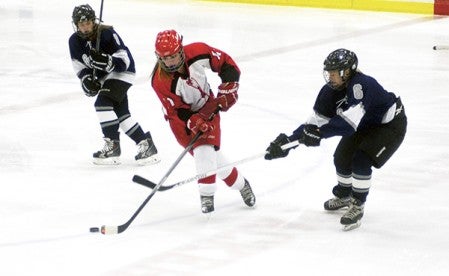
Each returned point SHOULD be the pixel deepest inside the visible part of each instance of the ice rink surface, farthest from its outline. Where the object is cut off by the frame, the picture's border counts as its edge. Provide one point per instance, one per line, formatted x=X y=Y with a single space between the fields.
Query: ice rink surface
x=51 y=193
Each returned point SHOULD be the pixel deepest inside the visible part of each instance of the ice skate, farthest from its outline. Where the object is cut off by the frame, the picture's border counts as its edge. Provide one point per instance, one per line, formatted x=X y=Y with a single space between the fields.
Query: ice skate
x=352 y=218
x=147 y=152
x=247 y=194
x=337 y=203
x=207 y=204
x=110 y=153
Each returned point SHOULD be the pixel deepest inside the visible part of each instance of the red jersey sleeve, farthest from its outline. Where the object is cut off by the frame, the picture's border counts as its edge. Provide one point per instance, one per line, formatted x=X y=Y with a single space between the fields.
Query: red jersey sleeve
x=220 y=62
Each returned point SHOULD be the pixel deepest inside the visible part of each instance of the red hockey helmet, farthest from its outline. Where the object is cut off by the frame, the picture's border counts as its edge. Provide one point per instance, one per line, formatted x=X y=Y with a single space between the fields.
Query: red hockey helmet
x=168 y=43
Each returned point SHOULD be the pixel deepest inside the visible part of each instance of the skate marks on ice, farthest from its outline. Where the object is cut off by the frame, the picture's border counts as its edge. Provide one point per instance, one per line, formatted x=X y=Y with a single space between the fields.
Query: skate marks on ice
x=13 y=156
x=217 y=243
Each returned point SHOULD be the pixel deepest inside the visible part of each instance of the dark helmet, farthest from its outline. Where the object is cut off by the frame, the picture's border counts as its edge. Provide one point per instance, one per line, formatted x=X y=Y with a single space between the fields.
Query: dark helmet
x=341 y=60
x=83 y=13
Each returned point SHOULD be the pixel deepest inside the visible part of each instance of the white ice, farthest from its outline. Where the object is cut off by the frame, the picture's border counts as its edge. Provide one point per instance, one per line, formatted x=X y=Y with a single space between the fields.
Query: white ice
x=51 y=193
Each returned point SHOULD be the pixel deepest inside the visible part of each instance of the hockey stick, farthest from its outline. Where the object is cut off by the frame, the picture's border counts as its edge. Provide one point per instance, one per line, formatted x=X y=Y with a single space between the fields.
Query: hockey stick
x=106 y=230
x=441 y=47
x=147 y=183
x=97 y=43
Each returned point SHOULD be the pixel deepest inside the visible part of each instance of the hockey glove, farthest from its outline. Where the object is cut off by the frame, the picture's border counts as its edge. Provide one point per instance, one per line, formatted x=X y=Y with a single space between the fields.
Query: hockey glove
x=274 y=150
x=227 y=95
x=208 y=109
x=101 y=61
x=311 y=136
x=197 y=124
x=90 y=86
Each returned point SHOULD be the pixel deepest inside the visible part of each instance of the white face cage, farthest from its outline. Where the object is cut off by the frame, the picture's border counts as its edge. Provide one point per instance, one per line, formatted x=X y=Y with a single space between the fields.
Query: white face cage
x=331 y=84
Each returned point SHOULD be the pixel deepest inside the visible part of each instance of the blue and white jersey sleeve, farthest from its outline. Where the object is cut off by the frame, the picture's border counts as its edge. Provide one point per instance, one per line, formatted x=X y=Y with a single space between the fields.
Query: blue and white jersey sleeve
x=365 y=104
x=345 y=123
x=111 y=43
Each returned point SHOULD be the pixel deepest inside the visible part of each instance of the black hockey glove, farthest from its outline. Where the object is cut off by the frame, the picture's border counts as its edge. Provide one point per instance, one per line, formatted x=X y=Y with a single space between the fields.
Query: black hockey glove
x=101 y=61
x=311 y=136
x=90 y=86
x=274 y=150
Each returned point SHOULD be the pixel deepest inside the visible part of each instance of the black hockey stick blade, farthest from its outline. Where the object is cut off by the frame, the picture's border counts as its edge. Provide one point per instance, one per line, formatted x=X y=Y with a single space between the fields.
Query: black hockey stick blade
x=147 y=183
x=106 y=230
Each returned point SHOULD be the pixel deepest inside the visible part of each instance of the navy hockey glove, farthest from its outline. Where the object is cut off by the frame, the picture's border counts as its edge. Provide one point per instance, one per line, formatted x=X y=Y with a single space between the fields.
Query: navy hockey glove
x=101 y=61
x=274 y=150
x=90 y=86
x=311 y=136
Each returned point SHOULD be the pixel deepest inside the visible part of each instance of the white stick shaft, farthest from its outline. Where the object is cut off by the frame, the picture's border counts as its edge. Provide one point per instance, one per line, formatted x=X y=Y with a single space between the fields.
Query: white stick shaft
x=109 y=230
x=231 y=165
x=441 y=47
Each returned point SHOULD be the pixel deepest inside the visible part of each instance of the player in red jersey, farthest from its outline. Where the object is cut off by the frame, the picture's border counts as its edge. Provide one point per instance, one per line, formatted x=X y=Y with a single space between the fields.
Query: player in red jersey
x=179 y=80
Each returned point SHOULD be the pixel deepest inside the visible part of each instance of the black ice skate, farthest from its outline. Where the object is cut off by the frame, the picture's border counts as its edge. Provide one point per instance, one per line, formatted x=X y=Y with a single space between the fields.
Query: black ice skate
x=352 y=218
x=207 y=204
x=247 y=194
x=147 y=152
x=337 y=203
x=110 y=153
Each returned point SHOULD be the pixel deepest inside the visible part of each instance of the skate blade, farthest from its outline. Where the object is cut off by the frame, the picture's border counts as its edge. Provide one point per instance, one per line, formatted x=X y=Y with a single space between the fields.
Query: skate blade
x=207 y=216
x=251 y=204
x=107 y=161
x=153 y=159
x=352 y=226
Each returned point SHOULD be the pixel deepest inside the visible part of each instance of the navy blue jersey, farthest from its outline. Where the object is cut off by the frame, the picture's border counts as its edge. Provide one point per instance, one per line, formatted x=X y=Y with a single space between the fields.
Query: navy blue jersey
x=364 y=103
x=110 y=43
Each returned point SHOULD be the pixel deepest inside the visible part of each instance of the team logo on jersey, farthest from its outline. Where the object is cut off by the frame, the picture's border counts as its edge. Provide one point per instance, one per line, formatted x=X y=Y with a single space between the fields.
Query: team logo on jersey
x=341 y=105
x=342 y=102
x=216 y=54
x=86 y=60
x=358 y=91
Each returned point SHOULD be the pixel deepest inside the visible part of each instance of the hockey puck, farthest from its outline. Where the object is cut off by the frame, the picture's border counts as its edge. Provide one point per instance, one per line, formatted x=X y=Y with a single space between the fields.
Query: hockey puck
x=434 y=47
x=94 y=229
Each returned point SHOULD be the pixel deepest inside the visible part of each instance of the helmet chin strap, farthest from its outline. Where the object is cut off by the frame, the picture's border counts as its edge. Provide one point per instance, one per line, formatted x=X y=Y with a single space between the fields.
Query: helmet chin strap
x=173 y=68
x=344 y=77
x=89 y=36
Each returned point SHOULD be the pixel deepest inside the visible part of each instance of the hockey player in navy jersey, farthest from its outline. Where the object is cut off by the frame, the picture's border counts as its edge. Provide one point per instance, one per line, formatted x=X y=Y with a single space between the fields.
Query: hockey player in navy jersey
x=180 y=81
x=371 y=121
x=108 y=73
